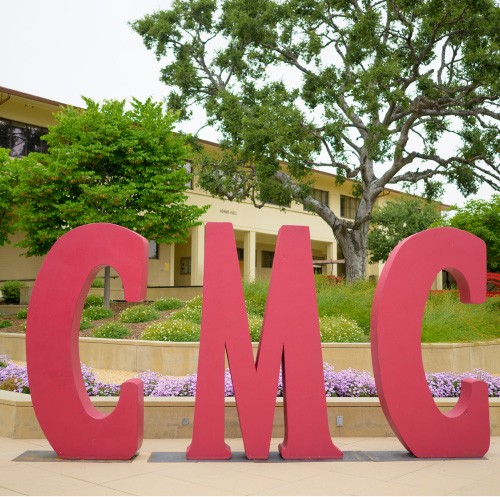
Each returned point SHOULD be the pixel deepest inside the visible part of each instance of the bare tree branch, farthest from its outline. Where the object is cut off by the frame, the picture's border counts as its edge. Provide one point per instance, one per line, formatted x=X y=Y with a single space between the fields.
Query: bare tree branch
x=321 y=209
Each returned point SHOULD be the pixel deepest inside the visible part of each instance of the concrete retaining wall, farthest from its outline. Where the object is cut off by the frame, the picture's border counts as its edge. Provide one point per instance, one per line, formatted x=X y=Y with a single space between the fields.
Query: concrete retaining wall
x=179 y=359
x=152 y=293
x=173 y=417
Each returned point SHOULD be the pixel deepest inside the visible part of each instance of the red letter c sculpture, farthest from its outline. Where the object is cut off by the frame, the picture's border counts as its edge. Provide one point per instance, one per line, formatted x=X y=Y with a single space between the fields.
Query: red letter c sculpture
x=74 y=428
x=396 y=324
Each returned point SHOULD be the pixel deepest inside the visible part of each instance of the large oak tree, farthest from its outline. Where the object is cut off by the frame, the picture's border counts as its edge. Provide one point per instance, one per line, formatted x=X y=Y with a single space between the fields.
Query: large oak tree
x=385 y=92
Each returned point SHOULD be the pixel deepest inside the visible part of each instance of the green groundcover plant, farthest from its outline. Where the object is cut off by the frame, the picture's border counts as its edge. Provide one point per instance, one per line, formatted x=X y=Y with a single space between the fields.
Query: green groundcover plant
x=111 y=330
x=139 y=314
x=85 y=323
x=22 y=314
x=96 y=313
x=94 y=301
x=167 y=304
x=5 y=323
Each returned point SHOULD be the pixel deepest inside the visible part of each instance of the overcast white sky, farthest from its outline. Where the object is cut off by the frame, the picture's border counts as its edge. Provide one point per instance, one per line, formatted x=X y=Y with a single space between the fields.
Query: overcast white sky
x=63 y=49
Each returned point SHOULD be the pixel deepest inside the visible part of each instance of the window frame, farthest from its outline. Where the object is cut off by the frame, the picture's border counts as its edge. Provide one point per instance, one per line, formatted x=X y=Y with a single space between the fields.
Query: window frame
x=22 y=138
x=185 y=266
x=153 y=250
x=188 y=166
x=264 y=262
x=319 y=195
x=349 y=211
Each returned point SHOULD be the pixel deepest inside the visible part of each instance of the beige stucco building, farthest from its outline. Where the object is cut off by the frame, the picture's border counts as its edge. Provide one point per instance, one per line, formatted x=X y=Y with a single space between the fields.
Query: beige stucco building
x=24 y=118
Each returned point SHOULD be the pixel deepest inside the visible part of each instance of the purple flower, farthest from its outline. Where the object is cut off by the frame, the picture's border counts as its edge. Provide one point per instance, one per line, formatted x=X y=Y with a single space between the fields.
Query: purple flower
x=345 y=383
x=450 y=384
x=17 y=376
x=348 y=383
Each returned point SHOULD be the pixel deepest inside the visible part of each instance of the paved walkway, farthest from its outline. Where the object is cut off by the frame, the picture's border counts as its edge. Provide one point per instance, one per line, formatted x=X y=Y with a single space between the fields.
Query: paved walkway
x=411 y=477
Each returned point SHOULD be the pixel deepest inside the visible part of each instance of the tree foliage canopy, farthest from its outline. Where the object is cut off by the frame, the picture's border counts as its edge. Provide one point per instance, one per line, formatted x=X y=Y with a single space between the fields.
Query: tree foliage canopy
x=397 y=220
x=107 y=164
x=384 y=92
x=482 y=218
x=8 y=178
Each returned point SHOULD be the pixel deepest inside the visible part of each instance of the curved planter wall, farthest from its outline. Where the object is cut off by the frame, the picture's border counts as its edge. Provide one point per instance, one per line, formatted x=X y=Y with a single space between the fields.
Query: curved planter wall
x=179 y=359
x=173 y=417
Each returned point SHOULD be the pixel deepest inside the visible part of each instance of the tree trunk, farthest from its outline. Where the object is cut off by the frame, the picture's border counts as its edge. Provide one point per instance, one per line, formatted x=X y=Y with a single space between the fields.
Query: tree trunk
x=354 y=245
x=107 y=286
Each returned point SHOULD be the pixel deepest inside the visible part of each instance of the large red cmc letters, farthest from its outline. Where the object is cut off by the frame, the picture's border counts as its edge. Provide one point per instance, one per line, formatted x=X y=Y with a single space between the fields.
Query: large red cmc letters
x=74 y=428
x=290 y=339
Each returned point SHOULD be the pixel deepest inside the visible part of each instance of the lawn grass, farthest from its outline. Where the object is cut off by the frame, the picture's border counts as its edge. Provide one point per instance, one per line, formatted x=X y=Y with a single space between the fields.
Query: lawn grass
x=446 y=319
x=352 y=301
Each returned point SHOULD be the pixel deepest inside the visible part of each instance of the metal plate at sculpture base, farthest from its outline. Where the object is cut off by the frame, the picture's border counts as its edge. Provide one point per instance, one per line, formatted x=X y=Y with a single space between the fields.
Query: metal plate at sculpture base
x=274 y=457
x=51 y=456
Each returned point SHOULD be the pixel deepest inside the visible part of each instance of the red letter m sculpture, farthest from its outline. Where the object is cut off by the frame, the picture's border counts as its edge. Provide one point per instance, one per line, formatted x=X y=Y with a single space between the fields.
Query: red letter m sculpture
x=290 y=337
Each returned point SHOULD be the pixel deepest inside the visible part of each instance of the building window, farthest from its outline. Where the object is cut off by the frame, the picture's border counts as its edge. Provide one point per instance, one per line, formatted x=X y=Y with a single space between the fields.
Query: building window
x=22 y=138
x=152 y=250
x=348 y=206
x=267 y=258
x=241 y=254
x=189 y=168
x=185 y=265
x=321 y=196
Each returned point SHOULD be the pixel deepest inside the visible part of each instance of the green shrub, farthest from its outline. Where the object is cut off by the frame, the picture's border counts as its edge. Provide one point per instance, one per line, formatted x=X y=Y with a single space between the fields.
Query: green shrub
x=5 y=323
x=98 y=283
x=173 y=330
x=111 y=330
x=167 y=304
x=85 y=323
x=340 y=329
x=95 y=313
x=94 y=301
x=11 y=291
x=3 y=361
x=22 y=314
x=139 y=314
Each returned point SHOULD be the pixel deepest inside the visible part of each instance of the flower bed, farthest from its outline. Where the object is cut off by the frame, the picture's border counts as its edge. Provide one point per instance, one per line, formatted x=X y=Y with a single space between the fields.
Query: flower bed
x=345 y=383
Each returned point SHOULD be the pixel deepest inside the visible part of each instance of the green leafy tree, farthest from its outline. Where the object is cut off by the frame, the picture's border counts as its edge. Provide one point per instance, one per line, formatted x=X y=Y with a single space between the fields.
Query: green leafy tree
x=397 y=220
x=482 y=218
x=8 y=178
x=373 y=89
x=107 y=164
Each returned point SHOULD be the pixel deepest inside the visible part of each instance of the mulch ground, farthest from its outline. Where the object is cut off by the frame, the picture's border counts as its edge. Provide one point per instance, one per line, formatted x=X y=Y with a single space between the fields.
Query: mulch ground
x=136 y=329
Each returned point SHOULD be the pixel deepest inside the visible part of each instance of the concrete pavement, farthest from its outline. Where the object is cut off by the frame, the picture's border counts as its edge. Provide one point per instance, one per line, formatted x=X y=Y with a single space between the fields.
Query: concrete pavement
x=140 y=477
